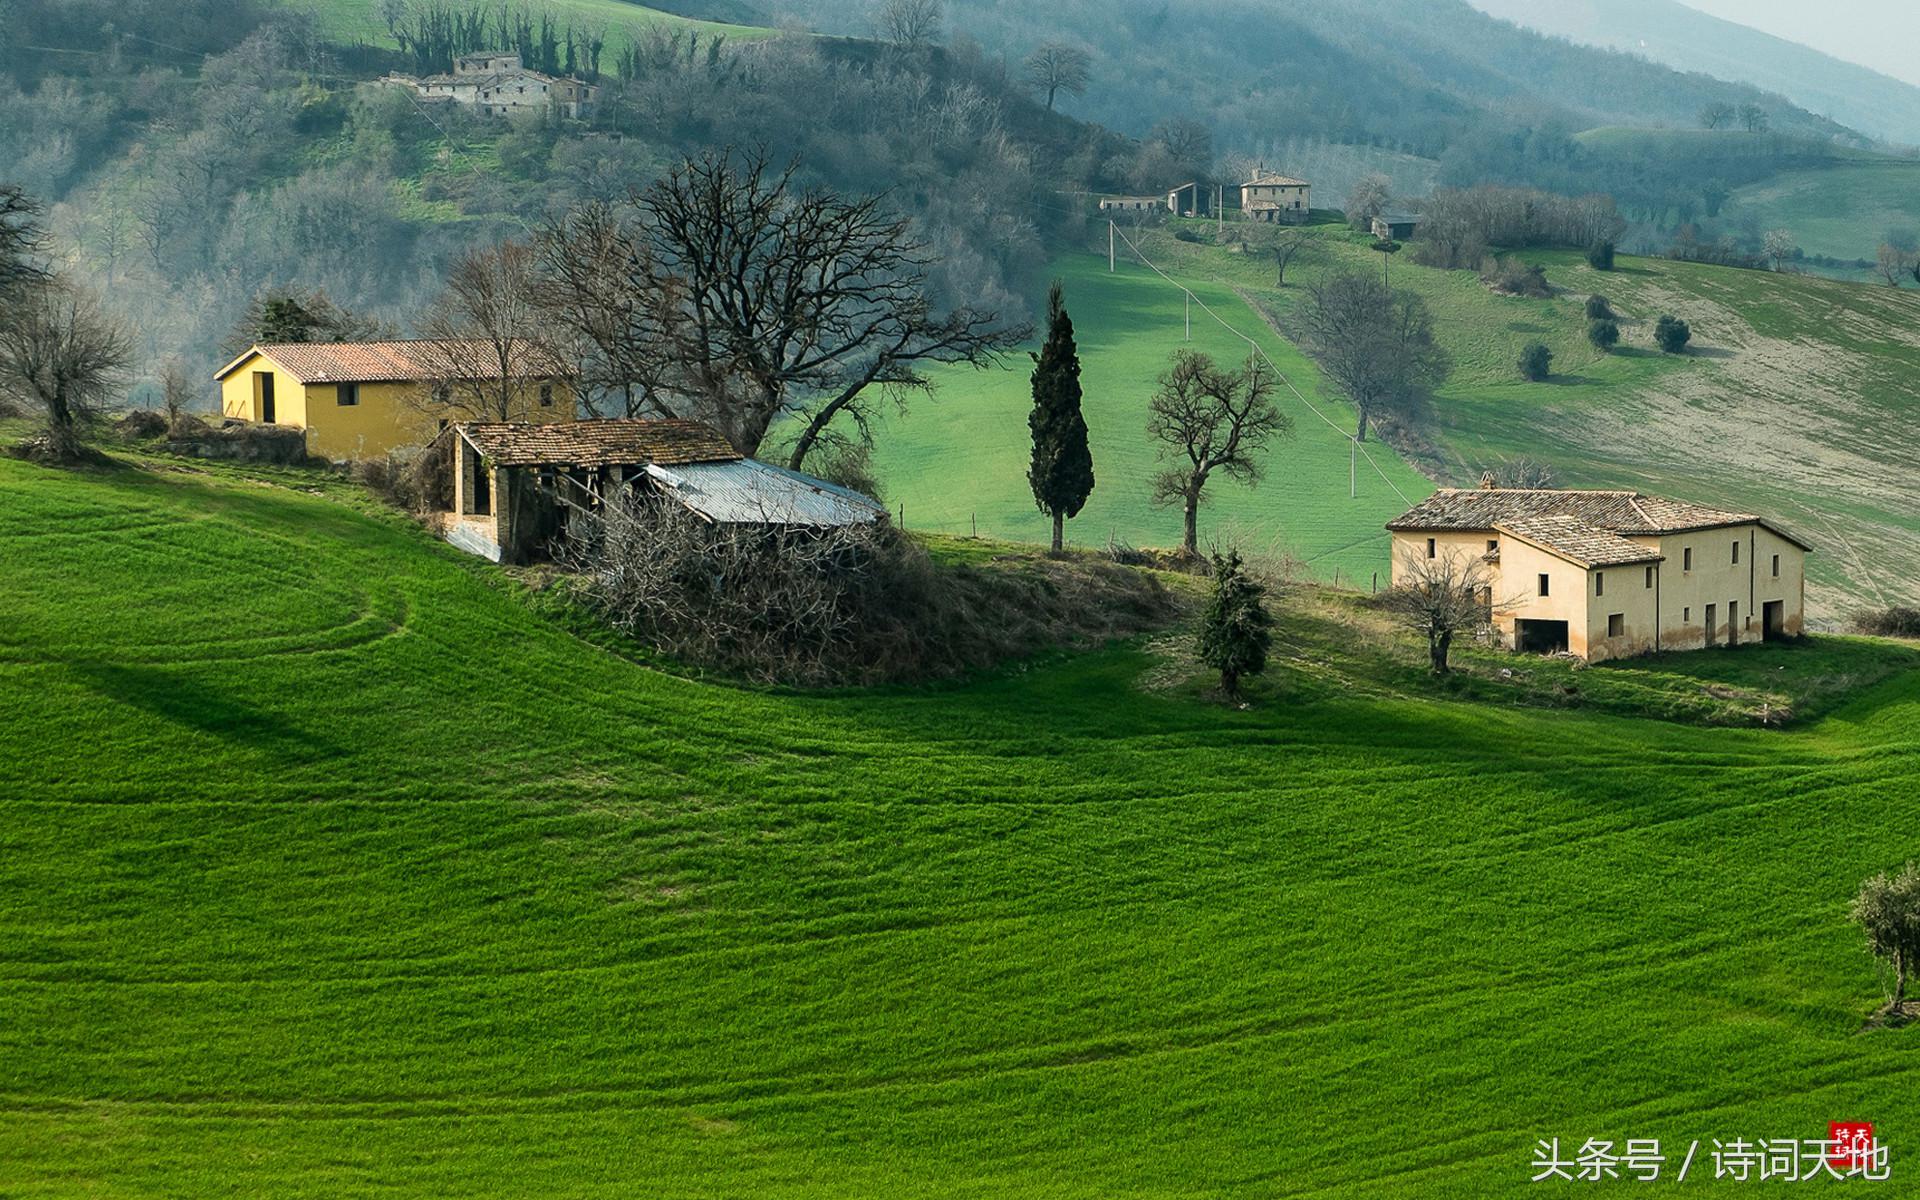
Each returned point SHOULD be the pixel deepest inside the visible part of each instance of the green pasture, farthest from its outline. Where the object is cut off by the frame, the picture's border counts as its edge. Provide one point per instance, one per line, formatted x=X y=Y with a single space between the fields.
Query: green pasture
x=327 y=867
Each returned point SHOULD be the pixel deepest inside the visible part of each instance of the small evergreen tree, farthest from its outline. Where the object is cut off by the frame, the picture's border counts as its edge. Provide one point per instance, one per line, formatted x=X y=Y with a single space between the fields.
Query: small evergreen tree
x=1672 y=334
x=1061 y=473
x=1599 y=308
x=1536 y=361
x=1236 y=628
x=1888 y=909
x=1600 y=256
x=1604 y=334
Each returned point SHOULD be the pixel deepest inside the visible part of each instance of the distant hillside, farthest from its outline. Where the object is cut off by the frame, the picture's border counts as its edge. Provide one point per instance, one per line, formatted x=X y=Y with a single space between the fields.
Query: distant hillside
x=1669 y=32
x=1417 y=75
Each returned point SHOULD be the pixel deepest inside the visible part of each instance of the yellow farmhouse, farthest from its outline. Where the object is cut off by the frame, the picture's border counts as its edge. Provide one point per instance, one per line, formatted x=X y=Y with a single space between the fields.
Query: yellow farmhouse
x=362 y=399
x=1606 y=574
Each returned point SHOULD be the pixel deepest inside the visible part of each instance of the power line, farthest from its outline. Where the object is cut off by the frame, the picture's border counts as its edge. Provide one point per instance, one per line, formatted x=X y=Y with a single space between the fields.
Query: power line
x=1254 y=347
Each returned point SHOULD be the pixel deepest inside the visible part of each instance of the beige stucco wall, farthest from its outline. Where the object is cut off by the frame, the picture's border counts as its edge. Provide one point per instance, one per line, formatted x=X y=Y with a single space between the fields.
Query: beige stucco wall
x=1668 y=615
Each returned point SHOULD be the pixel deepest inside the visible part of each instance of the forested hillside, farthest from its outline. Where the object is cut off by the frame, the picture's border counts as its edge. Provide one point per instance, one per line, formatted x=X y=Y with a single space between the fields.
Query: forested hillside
x=1670 y=32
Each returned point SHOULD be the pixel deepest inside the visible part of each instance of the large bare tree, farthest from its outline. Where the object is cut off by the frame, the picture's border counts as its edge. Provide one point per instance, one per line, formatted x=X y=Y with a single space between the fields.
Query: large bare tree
x=486 y=347
x=911 y=25
x=1057 y=67
x=621 y=339
x=21 y=242
x=61 y=354
x=1207 y=418
x=793 y=302
x=1442 y=598
x=1375 y=342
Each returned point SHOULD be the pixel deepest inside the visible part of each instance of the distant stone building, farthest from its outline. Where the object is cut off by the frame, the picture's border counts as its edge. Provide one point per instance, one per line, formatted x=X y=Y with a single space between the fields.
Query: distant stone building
x=1395 y=227
x=497 y=84
x=1109 y=204
x=1270 y=196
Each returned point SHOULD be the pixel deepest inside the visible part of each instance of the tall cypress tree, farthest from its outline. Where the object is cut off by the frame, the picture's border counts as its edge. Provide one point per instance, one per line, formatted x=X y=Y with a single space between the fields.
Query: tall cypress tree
x=1062 y=470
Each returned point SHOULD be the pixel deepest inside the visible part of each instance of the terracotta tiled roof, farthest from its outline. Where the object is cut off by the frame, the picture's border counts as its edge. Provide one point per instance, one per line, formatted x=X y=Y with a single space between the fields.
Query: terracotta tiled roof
x=1574 y=539
x=389 y=362
x=598 y=443
x=1618 y=512
x=1271 y=179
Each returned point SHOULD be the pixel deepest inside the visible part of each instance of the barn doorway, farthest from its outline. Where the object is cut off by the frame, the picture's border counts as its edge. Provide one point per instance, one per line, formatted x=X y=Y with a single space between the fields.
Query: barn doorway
x=1773 y=620
x=265 y=380
x=1539 y=637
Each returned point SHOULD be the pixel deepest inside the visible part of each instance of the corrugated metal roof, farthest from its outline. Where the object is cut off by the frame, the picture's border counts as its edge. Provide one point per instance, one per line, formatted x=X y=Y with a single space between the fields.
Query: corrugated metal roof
x=750 y=492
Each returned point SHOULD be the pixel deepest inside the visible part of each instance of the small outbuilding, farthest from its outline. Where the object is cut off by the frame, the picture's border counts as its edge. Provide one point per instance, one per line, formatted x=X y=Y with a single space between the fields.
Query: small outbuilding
x=518 y=487
x=1395 y=227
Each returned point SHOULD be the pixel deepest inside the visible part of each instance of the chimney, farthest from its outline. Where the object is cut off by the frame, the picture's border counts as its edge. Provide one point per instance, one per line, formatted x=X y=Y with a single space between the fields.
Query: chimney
x=1486 y=480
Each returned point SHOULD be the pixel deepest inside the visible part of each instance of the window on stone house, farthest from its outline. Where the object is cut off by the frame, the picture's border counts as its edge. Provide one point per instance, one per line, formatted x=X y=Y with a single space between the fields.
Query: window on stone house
x=1543 y=585
x=1686 y=559
x=347 y=394
x=1776 y=566
x=1736 y=554
x=1433 y=549
x=546 y=395
x=1649 y=576
x=1616 y=624
x=1599 y=583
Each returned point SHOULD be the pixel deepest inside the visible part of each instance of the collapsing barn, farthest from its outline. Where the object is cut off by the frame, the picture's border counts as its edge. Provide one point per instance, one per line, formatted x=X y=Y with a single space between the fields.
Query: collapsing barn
x=518 y=488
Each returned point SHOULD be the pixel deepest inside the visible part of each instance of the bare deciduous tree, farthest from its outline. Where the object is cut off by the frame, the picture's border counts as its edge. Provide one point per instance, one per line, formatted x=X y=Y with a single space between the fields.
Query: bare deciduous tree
x=621 y=338
x=910 y=25
x=1442 y=598
x=176 y=392
x=1057 y=67
x=21 y=241
x=1778 y=245
x=1286 y=248
x=61 y=354
x=486 y=351
x=1716 y=114
x=1753 y=118
x=1367 y=199
x=1207 y=418
x=1893 y=263
x=794 y=301
x=1375 y=342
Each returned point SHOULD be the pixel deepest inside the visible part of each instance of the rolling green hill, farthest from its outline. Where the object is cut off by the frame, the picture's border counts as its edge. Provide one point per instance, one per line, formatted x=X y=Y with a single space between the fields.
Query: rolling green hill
x=959 y=461
x=1794 y=402
x=1843 y=212
x=351 y=20
x=330 y=868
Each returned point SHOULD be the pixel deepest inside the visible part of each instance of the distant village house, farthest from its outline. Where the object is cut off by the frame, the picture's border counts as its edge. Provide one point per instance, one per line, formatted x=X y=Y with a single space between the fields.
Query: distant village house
x=1607 y=574
x=518 y=487
x=1273 y=197
x=359 y=400
x=499 y=85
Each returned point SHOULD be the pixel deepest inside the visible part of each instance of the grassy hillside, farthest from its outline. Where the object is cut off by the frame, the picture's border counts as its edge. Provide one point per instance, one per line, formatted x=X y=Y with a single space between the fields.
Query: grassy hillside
x=1793 y=402
x=330 y=869
x=352 y=20
x=1843 y=213
x=962 y=458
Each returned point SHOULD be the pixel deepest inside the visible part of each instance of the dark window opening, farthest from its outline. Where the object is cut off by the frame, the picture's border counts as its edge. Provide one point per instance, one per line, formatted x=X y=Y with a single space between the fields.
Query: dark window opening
x=546 y=395
x=1599 y=583
x=1493 y=543
x=1616 y=624
x=348 y=394
x=1649 y=576
x=1539 y=637
x=1776 y=566
x=1736 y=553
x=1543 y=585
x=1432 y=549
x=1686 y=559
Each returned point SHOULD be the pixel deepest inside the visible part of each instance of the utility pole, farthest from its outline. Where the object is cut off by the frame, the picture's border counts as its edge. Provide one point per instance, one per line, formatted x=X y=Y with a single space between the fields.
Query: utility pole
x=1353 y=468
x=1109 y=245
x=1220 y=209
x=1189 y=296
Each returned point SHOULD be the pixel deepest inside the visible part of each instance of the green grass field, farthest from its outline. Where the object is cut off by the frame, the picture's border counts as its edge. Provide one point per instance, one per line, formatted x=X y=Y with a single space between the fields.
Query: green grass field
x=1844 y=211
x=1791 y=403
x=331 y=869
x=360 y=20
x=961 y=458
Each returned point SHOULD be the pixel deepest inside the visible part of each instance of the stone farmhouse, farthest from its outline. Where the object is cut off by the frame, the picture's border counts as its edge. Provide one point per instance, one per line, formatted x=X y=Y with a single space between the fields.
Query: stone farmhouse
x=517 y=486
x=499 y=85
x=359 y=400
x=1607 y=574
x=1269 y=196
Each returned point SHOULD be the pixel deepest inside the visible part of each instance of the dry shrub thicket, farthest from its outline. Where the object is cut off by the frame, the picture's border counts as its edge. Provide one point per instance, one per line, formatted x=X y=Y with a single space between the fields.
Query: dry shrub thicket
x=850 y=605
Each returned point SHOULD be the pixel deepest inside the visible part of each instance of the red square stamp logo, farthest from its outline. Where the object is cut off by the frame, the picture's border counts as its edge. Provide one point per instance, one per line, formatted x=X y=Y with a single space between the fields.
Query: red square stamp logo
x=1852 y=1145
